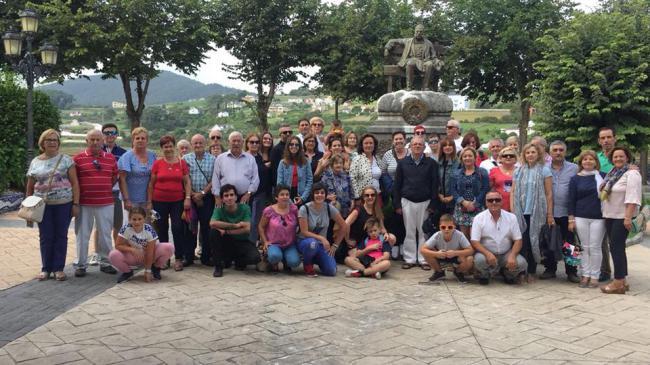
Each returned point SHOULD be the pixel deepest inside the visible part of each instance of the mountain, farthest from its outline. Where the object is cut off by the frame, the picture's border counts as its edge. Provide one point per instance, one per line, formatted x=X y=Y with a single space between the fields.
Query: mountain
x=168 y=87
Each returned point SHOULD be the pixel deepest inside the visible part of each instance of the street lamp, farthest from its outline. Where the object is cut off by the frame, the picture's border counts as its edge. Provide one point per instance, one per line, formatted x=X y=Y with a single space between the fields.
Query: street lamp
x=29 y=66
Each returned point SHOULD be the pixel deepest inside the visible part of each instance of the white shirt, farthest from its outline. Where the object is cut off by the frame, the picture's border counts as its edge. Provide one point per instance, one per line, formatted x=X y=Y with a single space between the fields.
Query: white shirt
x=458 y=142
x=489 y=164
x=138 y=239
x=497 y=237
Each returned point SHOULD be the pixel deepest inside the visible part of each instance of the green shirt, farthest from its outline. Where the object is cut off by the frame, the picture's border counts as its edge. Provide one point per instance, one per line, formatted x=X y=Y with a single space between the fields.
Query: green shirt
x=605 y=165
x=242 y=214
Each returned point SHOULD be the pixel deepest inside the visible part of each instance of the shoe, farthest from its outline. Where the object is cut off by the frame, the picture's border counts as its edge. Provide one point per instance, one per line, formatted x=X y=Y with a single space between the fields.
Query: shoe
x=407 y=266
x=483 y=281
x=531 y=279
x=80 y=272
x=309 y=271
x=460 y=276
x=604 y=277
x=509 y=280
x=93 y=260
x=425 y=267
x=437 y=275
x=240 y=267
x=178 y=265
x=547 y=275
x=108 y=269
x=188 y=262
x=44 y=275
x=124 y=276
x=593 y=283
x=572 y=278
x=352 y=273
x=227 y=264
x=286 y=269
x=155 y=272
x=218 y=272
x=613 y=288
x=584 y=282
x=60 y=276
x=377 y=275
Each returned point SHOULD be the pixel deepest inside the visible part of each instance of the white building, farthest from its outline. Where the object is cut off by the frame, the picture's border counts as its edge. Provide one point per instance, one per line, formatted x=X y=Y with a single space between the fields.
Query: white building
x=193 y=111
x=461 y=102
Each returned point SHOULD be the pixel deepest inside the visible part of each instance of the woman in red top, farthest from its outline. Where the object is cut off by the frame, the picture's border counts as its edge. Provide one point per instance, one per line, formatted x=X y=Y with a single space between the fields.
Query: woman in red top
x=501 y=176
x=169 y=194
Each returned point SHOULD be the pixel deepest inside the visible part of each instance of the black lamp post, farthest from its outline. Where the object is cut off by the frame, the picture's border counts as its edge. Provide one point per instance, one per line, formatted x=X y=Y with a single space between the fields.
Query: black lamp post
x=29 y=66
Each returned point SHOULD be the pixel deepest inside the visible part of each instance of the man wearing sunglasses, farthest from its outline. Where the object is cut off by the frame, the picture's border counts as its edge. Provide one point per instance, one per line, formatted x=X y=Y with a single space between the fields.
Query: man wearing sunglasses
x=278 y=151
x=420 y=131
x=497 y=240
x=453 y=132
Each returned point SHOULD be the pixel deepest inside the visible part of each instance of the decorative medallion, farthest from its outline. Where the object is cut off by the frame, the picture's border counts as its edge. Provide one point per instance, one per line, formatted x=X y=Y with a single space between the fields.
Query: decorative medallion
x=414 y=111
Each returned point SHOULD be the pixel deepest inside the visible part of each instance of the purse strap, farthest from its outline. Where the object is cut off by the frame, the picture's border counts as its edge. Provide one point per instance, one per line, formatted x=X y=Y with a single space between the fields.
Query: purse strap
x=49 y=182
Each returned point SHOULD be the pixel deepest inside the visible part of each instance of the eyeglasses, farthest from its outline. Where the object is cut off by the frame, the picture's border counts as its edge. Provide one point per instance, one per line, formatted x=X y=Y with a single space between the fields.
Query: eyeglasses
x=317 y=125
x=215 y=137
x=369 y=195
x=418 y=133
x=97 y=165
x=51 y=140
x=508 y=156
x=450 y=127
x=254 y=142
x=110 y=133
x=294 y=144
x=495 y=200
x=433 y=141
x=444 y=228
x=287 y=132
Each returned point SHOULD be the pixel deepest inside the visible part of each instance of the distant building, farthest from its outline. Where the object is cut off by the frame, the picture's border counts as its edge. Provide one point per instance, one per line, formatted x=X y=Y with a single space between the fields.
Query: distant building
x=75 y=113
x=461 y=102
x=118 y=105
x=279 y=109
x=193 y=111
x=295 y=100
x=248 y=99
x=223 y=114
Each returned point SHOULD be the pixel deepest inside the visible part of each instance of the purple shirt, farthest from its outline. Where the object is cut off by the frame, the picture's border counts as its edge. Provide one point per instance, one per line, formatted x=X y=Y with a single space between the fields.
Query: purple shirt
x=281 y=229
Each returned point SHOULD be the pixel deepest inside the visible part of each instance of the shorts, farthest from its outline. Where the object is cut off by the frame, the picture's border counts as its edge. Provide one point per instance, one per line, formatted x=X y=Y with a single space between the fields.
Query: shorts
x=453 y=261
x=118 y=212
x=366 y=260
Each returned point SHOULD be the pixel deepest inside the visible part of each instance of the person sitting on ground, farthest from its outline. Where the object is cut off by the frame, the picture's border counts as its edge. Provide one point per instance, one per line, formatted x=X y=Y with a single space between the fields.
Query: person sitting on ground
x=137 y=244
x=496 y=238
x=448 y=246
x=277 y=229
x=229 y=230
x=372 y=256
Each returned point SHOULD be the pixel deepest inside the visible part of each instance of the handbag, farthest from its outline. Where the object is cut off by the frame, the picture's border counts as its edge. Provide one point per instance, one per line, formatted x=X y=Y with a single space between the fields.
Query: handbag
x=33 y=207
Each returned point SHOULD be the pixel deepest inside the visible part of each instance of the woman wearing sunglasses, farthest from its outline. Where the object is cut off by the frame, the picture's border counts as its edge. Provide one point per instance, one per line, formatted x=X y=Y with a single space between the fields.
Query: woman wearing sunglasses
x=277 y=229
x=501 y=176
x=295 y=172
x=263 y=193
x=356 y=220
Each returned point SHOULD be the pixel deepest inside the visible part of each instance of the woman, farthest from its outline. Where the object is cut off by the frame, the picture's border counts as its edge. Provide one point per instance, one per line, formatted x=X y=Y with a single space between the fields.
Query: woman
x=338 y=185
x=448 y=164
x=261 y=196
x=357 y=218
x=135 y=171
x=390 y=159
x=350 y=144
x=531 y=200
x=52 y=177
x=267 y=146
x=366 y=169
x=295 y=172
x=314 y=219
x=169 y=194
x=501 y=176
x=513 y=141
x=277 y=229
x=469 y=186
x=334 y=147
x=620 y=193
x=434 y=145
x=397 y=153
x=216 y=150
x=586 y=218
x=313 y=155
x=471 y=140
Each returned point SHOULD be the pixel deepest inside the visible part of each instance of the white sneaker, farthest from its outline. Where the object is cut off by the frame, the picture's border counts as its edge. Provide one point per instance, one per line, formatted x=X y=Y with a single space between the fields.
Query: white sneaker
x=94 y=260
x=352 y=273
x=378 y=275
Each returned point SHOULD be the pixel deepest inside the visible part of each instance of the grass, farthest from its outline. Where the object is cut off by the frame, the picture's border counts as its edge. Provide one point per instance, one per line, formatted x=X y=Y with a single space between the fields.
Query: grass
x=471 y=115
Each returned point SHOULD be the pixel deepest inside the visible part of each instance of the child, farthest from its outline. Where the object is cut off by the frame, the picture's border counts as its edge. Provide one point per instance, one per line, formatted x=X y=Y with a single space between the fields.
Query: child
x=448 y=246
x=137 y=244
x=371 y=257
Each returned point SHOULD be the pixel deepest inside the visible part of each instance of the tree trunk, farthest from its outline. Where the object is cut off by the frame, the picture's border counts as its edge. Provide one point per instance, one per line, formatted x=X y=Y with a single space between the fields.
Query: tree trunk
x=264 y=101
x=643 y=166
x=523 y=122
x=134 y=113
x=336 y=108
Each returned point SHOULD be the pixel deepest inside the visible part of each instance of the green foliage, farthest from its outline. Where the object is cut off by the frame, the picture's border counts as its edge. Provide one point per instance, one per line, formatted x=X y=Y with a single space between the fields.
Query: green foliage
x=60 y=99
x=596 y=73
x=13 y=139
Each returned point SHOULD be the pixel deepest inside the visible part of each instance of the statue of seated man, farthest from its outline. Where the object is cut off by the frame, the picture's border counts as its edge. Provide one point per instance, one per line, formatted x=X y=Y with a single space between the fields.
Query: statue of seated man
x=419 y=54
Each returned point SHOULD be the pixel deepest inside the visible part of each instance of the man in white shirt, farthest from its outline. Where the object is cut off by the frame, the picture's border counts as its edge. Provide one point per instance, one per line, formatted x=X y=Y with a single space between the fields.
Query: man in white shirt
x=453 y=132
x=303 y=129
x=495 y=146
x=496 y=238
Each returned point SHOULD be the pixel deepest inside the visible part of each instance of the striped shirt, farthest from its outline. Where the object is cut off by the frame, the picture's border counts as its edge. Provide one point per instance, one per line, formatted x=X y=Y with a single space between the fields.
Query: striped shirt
x=96 y=176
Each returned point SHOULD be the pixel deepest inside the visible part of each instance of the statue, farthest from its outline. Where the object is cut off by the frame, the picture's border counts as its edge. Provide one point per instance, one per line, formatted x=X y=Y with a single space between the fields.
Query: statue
x=419 y=55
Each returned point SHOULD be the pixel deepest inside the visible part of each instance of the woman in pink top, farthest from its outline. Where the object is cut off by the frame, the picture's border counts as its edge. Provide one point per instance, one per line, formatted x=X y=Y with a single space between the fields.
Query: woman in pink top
x=501 y=176
x=620 y=193
x=277 y=229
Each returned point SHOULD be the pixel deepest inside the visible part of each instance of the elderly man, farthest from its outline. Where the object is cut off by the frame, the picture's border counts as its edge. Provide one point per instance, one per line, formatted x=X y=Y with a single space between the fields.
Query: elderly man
x=495 y=146
x=237 y=168
x=562 y=171
x=453 y=132
x=303 y=128
x=201 y=166
x=215 y=135
x=97 y=173
x=317 y=125
x=278 y=151
x=496 y=238
x=419 y=55
x=415 y=192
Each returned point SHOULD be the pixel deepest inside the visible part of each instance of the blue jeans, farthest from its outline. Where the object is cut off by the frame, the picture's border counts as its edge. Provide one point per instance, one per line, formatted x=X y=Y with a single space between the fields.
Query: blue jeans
x=53 y=235
x=313 y=252
x=290 y=255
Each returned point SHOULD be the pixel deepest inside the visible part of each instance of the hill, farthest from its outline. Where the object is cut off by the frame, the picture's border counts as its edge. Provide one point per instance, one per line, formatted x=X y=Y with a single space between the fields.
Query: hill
x=168 y=87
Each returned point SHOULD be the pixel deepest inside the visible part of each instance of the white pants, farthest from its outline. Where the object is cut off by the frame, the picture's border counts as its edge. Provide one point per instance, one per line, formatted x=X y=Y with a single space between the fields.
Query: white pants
x=414 y=214
x=102 y=217
x=591 y=233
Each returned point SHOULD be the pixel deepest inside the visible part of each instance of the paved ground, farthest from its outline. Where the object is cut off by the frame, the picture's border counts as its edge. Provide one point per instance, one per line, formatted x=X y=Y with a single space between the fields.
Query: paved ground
x=249 y=318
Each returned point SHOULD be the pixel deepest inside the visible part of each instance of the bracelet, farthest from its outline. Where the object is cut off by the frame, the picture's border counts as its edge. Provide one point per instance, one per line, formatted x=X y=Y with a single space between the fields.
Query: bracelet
x=335 y=246
x=187 y=197
x=147 y=271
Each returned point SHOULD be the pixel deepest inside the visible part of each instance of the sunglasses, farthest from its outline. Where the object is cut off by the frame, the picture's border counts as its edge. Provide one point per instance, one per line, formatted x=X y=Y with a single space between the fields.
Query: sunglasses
x=497 y=200
x=450 y=127
x=419 y=133
x=254 y=142
x=317 y=125
x=446 y=227
x=284 y=223
x=508 y=156
x=215 y=137
x=110 y=133
x=369 y=195
x=433 y=141
x=97 y=165
x=287 y=132
x=294 y=144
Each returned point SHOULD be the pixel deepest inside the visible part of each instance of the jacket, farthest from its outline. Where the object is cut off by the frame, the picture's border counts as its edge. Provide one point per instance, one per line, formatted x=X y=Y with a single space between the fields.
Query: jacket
x=305 y=178
x=416 y=182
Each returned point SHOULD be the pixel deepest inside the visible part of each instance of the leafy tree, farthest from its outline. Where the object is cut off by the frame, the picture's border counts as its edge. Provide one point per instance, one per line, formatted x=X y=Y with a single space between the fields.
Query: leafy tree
x=271 y=40
x=596 y=73
x=128 y=39
x=61 y=99
x=494 y=49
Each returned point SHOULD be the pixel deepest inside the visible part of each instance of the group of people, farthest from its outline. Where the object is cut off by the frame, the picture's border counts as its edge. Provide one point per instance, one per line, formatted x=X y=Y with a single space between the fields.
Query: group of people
x=320 y=199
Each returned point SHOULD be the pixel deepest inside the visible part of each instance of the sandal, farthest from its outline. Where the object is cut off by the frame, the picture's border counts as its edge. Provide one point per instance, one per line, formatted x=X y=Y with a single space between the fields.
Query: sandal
x=584 y=282
x=425 y=267
x=60 y=276
x=407 y=266
x=178 y=265
x=44 y=275
x=593 y=283
x=613 y=288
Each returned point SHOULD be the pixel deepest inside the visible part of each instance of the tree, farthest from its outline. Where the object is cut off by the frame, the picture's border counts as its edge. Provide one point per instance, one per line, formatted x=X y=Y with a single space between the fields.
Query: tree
x=271 y=40
x=596 y=73
x=494 y=49
x=61 y=99
x=128 y=39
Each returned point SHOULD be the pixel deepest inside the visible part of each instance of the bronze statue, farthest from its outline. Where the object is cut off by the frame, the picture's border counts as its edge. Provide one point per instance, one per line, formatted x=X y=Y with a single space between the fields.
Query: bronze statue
x=419 y=54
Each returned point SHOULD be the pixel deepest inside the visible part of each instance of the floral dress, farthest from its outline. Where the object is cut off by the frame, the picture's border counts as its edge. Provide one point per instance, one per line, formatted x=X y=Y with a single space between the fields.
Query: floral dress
x=341 y=185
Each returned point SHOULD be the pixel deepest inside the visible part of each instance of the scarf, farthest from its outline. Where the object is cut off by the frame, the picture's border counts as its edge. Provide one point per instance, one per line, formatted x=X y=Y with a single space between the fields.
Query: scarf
x=595 y=174
x=538 y=216
x=610 y=180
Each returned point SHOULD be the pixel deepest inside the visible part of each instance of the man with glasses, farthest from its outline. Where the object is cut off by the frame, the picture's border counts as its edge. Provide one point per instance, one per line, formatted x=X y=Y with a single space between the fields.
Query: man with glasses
x=453 y=132
x=215 y=136
x=277 y=152
x=497 y=240
x=237 y=168
x=303 y=129
x=420 y=131
x=495 y=146
x=97 y=174
x=449 y=246
x=317 y=125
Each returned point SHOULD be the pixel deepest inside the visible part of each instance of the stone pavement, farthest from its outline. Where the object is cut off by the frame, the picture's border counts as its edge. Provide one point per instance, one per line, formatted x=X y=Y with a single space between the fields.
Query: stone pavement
x=250 y=318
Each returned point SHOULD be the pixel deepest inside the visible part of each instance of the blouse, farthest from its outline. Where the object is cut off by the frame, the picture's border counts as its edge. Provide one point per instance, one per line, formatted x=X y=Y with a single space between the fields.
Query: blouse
x=169 y=180
x=281 y=229
x=503 y=184
x=60 y=191
x=627 y=190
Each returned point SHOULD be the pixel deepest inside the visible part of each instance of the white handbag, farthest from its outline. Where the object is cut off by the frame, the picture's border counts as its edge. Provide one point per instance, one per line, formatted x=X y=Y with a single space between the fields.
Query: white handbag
x=33 y=207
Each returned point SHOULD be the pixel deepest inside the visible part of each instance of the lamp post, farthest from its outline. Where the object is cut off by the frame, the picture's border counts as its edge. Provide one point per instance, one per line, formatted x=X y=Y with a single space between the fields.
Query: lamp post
x=29 y=66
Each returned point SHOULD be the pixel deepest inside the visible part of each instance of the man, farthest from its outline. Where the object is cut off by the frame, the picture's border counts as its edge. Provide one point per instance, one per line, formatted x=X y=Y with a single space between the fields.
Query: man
x=317 y=125
x=453 y=132
x=562 y=171
x=201 y=166
x=277 y=152
x=183 y=146
x=496 y=238
x=541 y=142
x=419 y=55
x=97 y=174
x=495 y=146
x=607 y=141
x=230 y=226
x=236 y=168
x=303 y=128
x=419 y=130
x=215 y=135
x=415 y=192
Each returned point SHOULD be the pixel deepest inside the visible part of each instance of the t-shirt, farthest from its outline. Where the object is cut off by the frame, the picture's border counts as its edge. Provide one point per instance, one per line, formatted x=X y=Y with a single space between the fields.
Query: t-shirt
x=137 y=175
x=318 y=221
x=96 y=176
x=281 y=229
x=503 y=184
x=375 y=254
x=61 y=189
x=242 y=214
x=437 y=241
x=605 y=164
x=138 y=239
x=169 y=180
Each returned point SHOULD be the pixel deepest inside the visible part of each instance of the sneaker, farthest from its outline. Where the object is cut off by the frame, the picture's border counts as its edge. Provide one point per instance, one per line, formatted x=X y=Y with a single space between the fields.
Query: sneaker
x=351 y=273
x=437 y=275
x=124 y=276
x=155 y=272
x=93 y=260
x=108 y=269
x=547 y=275
x=483 y=281
x=460 y=276
x=573 y=278
x=604 y=277
x=218 y=272
x=309 y=271
x=378 y=275
x=80 y=272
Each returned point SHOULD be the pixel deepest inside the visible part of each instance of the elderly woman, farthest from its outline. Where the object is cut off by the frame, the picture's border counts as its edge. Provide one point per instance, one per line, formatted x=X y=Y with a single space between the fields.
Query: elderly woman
x=434 y=146
x=365 y=170
x=313 y=155
x=169 y=193
x=350 y=143
x=263 y=193
x=295 y=172
x=620 y=193
x=531 y=200
x=135 y=170
x=277 y=229
x=469 y=186
x=183 y=147
x=513 y=141
x=52 y=176
x=448 y=164
x=501 y=176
